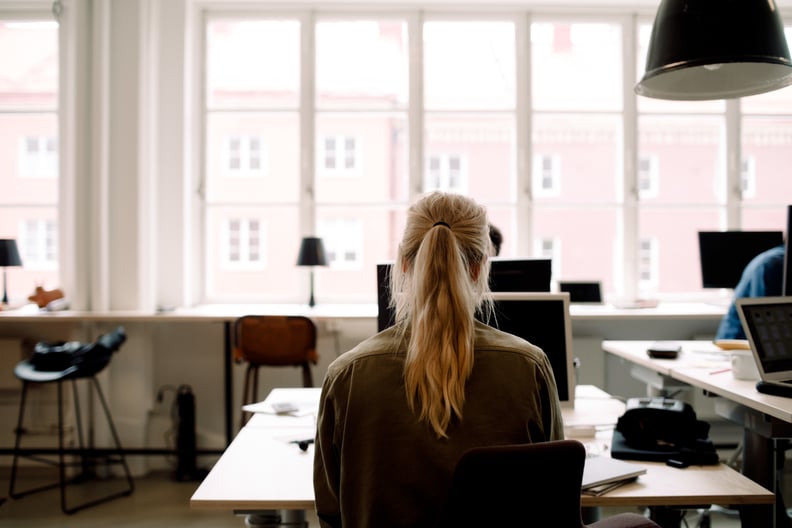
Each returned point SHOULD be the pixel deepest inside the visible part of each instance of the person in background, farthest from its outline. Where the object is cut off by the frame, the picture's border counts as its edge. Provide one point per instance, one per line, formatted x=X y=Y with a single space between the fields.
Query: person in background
x=496 y=237
x=398 y=410
x=762 y=277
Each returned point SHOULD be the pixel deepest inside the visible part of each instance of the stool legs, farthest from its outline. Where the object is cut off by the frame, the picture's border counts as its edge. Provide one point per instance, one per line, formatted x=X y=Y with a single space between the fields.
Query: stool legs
x=87 y=455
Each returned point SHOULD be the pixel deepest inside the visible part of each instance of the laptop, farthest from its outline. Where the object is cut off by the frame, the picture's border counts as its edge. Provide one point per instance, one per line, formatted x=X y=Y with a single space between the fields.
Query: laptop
x=603 y=473
x=767 y=322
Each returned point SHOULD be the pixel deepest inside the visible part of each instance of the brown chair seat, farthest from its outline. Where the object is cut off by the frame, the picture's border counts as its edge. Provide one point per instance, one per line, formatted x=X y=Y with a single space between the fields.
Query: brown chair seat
x=273 y=341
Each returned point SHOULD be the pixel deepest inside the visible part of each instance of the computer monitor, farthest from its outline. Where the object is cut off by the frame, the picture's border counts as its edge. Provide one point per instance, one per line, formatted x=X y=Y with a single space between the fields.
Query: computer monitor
x=786 y=288
x=506 y=275
x=724 y=254
x=385 y=314
x=582 y=291
x=520 y=275
x=542 y=319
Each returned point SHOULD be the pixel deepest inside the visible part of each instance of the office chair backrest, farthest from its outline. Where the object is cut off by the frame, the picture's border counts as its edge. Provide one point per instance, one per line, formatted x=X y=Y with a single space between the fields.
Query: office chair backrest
x=275 y=340
x=504 y=485
x=525 y=485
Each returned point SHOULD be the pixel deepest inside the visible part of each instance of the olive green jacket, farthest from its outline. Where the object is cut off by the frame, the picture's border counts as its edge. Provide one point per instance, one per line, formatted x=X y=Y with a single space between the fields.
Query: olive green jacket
x=377 y=466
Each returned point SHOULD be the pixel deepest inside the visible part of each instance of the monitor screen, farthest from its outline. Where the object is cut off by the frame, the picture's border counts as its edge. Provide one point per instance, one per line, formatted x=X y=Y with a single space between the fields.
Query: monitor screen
x=787 y=280
x=542 y=319
x=520 y=275
x=582 y=291
x=506 y=275
x=724 y=254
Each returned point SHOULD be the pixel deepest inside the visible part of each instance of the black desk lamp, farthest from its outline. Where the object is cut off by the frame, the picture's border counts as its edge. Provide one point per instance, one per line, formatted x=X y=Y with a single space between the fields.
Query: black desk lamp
x=312 y=253
x=710 y=49
x=9 y=256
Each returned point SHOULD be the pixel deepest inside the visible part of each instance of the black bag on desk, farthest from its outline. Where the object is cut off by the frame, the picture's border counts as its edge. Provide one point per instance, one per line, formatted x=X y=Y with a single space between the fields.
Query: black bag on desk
x=662 y=429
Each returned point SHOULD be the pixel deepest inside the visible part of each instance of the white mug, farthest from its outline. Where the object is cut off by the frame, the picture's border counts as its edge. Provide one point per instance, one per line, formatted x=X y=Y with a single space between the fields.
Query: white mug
x=744 y=365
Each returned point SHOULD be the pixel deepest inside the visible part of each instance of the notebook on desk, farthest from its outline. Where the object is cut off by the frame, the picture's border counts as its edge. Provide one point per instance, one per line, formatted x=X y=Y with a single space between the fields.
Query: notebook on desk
x=767 y=322
x=603 y=473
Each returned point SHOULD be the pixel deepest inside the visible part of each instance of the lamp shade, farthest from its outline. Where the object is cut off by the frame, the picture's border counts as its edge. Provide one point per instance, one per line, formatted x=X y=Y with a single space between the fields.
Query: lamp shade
x=312 y=252
x=715 y=49
x=9 y=254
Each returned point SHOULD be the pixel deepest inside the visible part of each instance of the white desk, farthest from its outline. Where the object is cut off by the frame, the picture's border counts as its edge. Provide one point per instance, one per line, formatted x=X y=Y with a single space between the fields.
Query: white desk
x=224 y=314
x=766 y=419
x=262 y=470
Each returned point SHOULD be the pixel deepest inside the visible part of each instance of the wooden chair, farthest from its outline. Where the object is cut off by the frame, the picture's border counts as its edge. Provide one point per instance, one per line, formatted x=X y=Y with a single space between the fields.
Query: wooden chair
x=525 y=485
x=273 y=341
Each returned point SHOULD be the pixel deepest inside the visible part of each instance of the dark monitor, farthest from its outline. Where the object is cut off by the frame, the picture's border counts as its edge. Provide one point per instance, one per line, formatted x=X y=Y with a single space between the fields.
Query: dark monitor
x=506 y=275
x=724 y=254
x=582 y=291
x=385 y=315
x=787 y=280
x=520 y=275
x=542 y=319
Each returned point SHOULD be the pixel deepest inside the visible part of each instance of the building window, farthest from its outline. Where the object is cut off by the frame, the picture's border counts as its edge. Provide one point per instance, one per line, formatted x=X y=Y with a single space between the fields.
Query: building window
x=748 y=177
x=39 y=244
x=547 y=175
x=343 y=242
x=550 y=248
x=244 y=242
x=648 y=263
x=246 y=156
x=38 y=157
x=648 y=176
x=339 y=156
x=446 y=172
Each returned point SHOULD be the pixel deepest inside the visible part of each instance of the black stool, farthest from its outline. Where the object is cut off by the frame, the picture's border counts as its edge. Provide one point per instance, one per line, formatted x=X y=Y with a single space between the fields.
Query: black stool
x=70 y=362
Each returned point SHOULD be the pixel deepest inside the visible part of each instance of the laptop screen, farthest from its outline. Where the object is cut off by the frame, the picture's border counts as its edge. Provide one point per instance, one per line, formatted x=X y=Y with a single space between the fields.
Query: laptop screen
x=768 y=325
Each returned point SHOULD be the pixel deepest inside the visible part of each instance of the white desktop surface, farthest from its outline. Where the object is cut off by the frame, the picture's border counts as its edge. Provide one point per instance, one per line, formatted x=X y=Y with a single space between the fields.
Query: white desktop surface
x=701 y=366
x=224 y=312
x=262 y=469
x=206 y=313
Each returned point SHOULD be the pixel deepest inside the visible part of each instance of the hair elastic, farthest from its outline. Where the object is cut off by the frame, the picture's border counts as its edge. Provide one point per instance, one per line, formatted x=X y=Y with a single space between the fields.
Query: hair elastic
x=441 y=223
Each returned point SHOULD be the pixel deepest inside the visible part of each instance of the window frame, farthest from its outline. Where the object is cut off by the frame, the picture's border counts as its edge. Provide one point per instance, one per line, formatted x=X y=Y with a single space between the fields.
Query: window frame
x=628 y=260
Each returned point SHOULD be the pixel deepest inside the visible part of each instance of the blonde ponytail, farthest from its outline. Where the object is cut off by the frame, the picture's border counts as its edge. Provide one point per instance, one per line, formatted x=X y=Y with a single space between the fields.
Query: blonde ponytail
x=437 y=285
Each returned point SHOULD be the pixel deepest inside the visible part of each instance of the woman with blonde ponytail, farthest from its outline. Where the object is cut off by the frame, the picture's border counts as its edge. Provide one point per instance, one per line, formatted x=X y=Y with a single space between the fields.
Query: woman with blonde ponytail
x=398 y=410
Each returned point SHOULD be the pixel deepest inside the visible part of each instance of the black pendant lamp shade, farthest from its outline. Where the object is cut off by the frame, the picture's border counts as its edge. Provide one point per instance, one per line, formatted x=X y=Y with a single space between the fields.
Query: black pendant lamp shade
x=715 y=49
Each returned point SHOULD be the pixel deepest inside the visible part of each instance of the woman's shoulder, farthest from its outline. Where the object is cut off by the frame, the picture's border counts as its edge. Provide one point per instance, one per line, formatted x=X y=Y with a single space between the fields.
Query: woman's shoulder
x=385 y=343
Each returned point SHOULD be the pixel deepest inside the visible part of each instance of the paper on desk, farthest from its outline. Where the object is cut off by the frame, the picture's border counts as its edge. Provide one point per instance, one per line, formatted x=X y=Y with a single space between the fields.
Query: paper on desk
x=265 y=407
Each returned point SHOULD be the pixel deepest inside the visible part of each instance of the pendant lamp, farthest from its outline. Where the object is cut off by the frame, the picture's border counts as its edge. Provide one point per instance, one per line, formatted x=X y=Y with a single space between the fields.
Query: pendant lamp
x=715 y=49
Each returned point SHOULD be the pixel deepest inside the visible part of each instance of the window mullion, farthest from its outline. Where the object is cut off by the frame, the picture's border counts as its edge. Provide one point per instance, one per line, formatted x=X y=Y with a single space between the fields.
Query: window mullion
x=733 y=210
x=415 y=112
x=523 y=126
x=630 y=243
x=307 y=125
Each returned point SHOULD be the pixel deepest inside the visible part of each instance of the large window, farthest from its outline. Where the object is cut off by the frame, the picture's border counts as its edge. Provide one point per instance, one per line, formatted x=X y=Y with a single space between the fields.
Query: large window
x=528 y=114
x=29 y=149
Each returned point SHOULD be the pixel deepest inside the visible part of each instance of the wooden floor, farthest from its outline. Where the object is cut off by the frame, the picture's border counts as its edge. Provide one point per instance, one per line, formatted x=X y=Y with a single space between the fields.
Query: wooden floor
x=160 y=501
